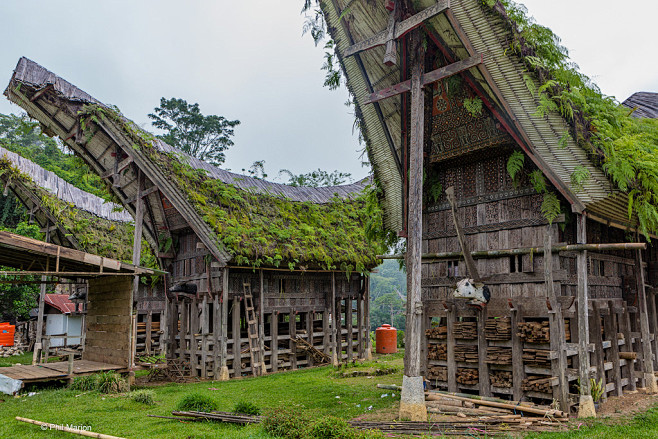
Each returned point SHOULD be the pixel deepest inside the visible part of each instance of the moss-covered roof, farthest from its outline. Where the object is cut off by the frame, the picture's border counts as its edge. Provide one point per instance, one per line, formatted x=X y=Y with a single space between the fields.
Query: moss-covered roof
x=84 y=230
x=258 y=223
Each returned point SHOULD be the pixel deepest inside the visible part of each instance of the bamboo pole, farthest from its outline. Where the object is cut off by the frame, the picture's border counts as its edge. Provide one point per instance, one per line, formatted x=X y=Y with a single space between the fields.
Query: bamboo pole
x=482 y=254
x=521 y=408
x=57 y=427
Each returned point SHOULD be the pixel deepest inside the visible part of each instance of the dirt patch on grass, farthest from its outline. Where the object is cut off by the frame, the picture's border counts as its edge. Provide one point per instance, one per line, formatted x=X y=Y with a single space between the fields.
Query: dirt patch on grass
x=628 y=404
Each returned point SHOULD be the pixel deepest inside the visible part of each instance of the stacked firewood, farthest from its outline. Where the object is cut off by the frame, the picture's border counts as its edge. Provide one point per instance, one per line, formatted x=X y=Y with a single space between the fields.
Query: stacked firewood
x=466 y=376
x=500 y=378
x=465 y=330
x=534 y=332
x=465 y=353
x=439 y=373
x=499 y=355
x=437 y=332
x=537 y=357
x=537 y=383
x=498 y=328
x=437 y=352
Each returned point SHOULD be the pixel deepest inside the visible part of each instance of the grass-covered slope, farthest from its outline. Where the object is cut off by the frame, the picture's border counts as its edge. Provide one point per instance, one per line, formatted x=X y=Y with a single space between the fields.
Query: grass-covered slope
x=261 y=229
x=625 y=147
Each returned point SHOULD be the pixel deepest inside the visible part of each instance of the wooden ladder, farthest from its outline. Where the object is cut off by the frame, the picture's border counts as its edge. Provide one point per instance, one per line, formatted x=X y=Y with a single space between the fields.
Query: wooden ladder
x=252 y=330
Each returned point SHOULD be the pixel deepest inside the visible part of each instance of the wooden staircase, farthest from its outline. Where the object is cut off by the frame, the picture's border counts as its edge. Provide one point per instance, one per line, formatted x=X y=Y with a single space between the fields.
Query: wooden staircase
x=252 y=330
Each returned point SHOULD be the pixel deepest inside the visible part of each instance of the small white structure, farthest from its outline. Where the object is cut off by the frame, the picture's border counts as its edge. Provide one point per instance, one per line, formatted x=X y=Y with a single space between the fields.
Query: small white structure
x=63 y=324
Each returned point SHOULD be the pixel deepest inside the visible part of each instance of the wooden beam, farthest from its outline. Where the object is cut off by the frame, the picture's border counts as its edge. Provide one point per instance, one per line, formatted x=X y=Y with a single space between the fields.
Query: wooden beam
x=401 y=28
x=145 y=193
x=583 y=313
x=647 y=355
x=428 y=78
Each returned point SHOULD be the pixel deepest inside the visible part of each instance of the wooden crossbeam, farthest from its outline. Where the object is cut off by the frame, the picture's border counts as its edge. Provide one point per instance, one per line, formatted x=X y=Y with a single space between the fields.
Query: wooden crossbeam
x=145 y=193
x=401 y=28
x=120 y=167
x=428 y=78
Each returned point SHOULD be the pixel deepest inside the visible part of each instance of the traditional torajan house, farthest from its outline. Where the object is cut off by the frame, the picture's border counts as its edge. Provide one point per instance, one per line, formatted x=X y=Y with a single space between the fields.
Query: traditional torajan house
x=73 y=218
x=471 y=97
x=264 y=276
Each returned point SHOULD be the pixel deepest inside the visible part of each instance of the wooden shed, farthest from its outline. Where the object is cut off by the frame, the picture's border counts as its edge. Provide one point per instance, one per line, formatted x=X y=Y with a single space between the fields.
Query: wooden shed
x=457 y=94
x=263 y=276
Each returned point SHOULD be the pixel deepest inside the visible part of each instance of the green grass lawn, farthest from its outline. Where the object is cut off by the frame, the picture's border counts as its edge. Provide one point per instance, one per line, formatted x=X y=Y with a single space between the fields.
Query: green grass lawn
x=25 y=358
x=315 y=390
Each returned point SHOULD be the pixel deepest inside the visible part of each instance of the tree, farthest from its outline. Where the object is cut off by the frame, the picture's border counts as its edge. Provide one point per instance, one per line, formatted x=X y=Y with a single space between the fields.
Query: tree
x=203 y=137
x=317 y=178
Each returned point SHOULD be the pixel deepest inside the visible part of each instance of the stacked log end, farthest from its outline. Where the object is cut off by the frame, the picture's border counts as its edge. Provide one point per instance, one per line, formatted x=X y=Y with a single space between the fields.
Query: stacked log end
x=466 y=353
x=537 y=357
x=467 y=376
x=437 y=332
x=499 y=355
x=537 y=383
x=498 y=328
x=437 y=352
x=465 y=330
x=500 y=378
x=439 y=373
x=539 y=332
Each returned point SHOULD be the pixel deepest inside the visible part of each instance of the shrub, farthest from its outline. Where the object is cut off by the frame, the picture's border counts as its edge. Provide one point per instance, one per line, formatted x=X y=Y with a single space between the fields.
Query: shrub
x=143 y=396
x=196 y=402
x=330 y=427
x=400 y=338
x=85 y=383
x=111 y=382
x=246 y=408
x=286 y=422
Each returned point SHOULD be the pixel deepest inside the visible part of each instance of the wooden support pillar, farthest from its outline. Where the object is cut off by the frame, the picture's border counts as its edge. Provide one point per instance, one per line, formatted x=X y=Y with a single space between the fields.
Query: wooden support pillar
x=556 y=323
x=38 y=345
x=350 y=328
x=309 y=335
x=223 y=373
x=172 y=321
x=625 y=328
x=334 y=323
x=611 y=331
x=274 y=330
x=647 y=355
x=205 y=329
x=237 y=340
x=366 y=312
x=412 y=399
x=339 y=329
x=292 y=325
x=183 y=331
x=653 y=325
x=216 y=332
x=451 y=364
x=596 y=337
x=359 y=318
x=148 y=325
x=483 y=367
x=326 y=329
x=586 y=407
x=518 y=372
x=261 y=322
x=194 y=332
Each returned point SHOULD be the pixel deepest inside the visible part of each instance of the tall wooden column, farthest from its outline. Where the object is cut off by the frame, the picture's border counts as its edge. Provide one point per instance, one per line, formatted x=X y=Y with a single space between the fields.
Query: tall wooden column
x=647 y=355
x=38 y=345
x=412 y=402
x=223 y=372
x=586 y=406
x=137 y=251
x=334 y=322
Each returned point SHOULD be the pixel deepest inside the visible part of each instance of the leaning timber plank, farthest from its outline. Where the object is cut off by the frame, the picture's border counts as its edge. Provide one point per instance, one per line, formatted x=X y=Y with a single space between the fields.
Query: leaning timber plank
x=67 y=429
x=516 y=407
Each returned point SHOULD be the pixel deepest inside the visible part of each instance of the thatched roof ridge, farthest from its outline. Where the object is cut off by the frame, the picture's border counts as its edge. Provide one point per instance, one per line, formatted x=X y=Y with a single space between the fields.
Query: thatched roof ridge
x=65 y=191
x=645 y=104
x=30 y=72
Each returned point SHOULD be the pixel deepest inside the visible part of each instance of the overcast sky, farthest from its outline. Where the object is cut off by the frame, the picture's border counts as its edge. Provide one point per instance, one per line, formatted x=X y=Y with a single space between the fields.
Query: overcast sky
x=247 y=60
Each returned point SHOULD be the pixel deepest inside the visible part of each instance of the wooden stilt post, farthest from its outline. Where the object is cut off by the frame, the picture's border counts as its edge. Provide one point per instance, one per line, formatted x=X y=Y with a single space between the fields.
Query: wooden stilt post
x=38 y=345
x=223 y=373
x=237 y=338
x=412 y=402
x=359 y=318
x=350 y=328
x=292 y=325
x=274 y=330
x=366 y=311
x=216 y=333
x=261 y=322
x=334 y=323
x=611 y=331
x=647 y=355
x=556 y=322
x=586 y=407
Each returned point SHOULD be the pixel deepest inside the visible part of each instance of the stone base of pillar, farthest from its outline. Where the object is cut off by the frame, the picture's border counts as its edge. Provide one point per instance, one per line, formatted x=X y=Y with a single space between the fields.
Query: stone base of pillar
x=586 y=407
x=651 y=386
x=412 y=399
x=334 y=360
x=223 y=374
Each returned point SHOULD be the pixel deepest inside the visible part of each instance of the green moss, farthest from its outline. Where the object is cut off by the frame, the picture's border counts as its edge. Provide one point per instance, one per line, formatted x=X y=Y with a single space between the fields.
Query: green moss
x=625 y=147
x=262 y=229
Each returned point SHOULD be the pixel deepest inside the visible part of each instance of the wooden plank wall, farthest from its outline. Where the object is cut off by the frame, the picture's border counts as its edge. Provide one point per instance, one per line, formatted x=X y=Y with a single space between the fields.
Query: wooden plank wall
x=108 y=321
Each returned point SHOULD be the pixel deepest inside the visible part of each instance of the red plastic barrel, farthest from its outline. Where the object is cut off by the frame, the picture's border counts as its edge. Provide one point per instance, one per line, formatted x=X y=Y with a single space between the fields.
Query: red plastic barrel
x=7 y=334
x=386 y=339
